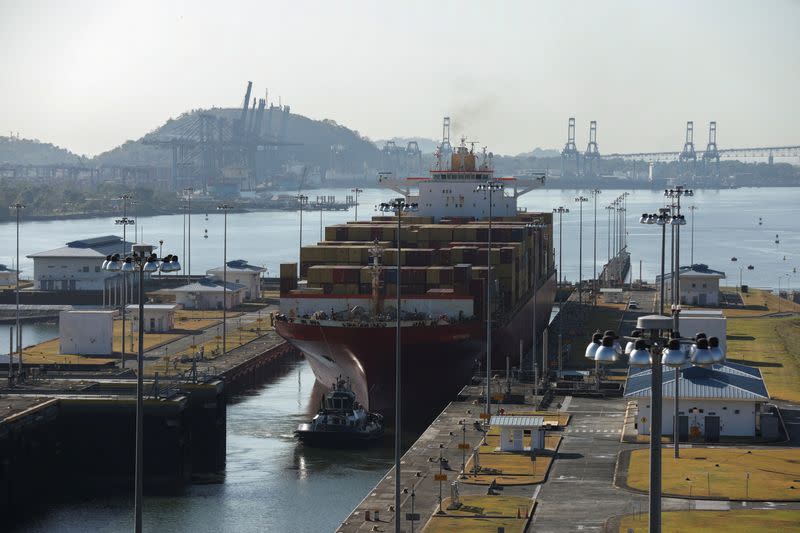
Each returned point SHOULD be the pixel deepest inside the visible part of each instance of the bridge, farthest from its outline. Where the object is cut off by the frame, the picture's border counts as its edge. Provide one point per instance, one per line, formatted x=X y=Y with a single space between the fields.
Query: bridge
x=769 y=152
x=583 y=161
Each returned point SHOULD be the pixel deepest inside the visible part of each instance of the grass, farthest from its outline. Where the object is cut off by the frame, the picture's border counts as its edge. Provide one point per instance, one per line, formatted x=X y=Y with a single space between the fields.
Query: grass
x=770 y=345
x=760 y=302
x=482 y=513
x=195 y=314
x=720 y=473
x=48 y=352
x=212 y=349
x=728 y=521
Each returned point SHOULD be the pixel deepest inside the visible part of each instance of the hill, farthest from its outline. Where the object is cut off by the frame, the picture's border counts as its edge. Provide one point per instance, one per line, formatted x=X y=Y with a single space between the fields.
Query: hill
x=316 y=140
x=34 y=152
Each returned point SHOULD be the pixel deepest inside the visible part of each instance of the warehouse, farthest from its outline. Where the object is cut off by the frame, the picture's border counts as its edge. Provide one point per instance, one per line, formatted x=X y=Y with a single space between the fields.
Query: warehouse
x=723 y=400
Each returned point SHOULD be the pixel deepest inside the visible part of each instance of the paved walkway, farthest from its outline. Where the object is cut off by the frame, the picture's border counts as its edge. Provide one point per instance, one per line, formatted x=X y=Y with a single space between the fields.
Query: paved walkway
x=154 y=356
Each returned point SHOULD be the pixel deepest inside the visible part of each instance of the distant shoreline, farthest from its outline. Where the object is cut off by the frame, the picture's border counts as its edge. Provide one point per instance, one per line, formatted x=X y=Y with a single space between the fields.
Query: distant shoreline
x=344 y=186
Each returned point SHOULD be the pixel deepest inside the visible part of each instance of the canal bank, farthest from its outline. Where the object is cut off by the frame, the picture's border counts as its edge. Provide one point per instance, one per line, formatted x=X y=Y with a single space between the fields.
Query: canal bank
x=68 y=435
x=270 y=481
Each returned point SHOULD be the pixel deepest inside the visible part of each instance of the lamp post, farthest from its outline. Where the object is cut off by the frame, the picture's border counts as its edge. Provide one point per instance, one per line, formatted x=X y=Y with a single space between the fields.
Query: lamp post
x=189 y=191
x=677 y=220
x=141 y=260
x=356 y=190
x=224 y=208
x=489 y=188
x=536 y=225
x=560 y=210
x=124 y=222
x=693 y=208
x=609 y=208
x=160 y=246
x=580 y=200
x=397 y=206
x=16 y=207
x=661 y=218
x=184 y=208
x=594 y=193
x=301 y=200
x=625 y=220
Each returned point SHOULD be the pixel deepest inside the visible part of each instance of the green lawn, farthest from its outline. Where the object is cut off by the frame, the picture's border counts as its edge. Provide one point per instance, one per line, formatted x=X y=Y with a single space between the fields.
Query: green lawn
x=722 y=473
x=727 y=521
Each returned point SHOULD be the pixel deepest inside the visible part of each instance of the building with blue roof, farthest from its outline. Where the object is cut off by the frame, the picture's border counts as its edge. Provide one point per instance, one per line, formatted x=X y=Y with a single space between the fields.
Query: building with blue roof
x=725 y=399
x=77 y=266
x=699 y=284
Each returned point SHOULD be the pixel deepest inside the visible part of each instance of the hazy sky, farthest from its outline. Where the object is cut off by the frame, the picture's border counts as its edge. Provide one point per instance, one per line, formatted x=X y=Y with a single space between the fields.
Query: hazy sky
x=90 y=75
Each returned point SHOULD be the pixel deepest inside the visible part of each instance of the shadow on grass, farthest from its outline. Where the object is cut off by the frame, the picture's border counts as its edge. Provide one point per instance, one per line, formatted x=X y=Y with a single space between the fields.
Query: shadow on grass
x=757 y=363
x=740 y=338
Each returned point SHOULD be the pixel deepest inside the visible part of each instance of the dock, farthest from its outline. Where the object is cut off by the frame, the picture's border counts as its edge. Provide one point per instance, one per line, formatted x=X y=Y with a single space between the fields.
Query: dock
x=502 y=496
x=65 y=432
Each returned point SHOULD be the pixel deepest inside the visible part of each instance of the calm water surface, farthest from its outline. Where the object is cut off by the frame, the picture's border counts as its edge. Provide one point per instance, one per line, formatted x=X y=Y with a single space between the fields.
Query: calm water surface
x=32 y=333
x=271 y=483
x=726 y=225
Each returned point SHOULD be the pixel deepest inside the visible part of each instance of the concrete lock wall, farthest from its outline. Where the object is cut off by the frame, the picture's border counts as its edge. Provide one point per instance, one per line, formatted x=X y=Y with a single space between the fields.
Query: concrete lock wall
x=737 y=418
x=86 y=332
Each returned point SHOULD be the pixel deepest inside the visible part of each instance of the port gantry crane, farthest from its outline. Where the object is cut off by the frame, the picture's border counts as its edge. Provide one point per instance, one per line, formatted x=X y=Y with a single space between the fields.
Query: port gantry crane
x=205 y=143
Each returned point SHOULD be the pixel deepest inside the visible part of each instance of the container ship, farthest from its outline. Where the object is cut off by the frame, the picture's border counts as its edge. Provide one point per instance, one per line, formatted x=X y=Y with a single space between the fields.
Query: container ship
x=338 y=306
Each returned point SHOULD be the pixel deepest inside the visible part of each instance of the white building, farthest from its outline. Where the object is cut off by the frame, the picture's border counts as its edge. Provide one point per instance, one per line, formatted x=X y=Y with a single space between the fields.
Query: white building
x=709 y=321
x=699 y=285
x=158 y=318
x=723 y=400
x=208 y=294
x=7 y=276
x=77 y=266
x=241 y=272
x=86 y=332
x=512 y=432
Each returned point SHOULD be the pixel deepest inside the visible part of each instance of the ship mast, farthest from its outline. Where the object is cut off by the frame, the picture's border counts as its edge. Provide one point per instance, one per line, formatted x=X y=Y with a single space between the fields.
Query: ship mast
x=376 y=250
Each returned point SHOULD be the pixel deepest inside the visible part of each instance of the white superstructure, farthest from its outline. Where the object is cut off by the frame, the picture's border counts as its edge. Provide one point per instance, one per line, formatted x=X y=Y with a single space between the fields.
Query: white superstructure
x=451 y=190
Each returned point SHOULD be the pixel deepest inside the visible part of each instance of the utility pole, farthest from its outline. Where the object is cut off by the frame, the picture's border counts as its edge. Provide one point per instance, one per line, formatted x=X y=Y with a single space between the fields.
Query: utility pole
x=594 y=193
x=224 y=208
x=356 y=190
x=580 y=200
x=18 y=207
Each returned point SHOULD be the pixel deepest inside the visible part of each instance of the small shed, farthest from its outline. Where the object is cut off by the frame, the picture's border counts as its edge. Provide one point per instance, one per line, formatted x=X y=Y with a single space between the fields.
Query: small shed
x=208 y=294
x=85 y=332
x=611 y=295
x=158 y=318
x=513 y=428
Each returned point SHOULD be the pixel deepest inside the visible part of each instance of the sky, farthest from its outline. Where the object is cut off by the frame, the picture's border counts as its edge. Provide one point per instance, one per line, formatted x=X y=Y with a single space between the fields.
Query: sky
x=88 y=76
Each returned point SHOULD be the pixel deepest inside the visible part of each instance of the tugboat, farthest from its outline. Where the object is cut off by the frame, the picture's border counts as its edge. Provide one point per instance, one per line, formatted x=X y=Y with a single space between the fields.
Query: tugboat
x=341 y=421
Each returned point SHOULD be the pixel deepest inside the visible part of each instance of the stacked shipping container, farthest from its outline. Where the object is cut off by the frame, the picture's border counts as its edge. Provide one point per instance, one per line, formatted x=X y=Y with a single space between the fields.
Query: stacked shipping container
x=440 y=259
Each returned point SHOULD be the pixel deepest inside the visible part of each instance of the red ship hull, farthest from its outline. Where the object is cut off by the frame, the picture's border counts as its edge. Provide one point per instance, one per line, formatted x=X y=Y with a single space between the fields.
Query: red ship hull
x=436 y=360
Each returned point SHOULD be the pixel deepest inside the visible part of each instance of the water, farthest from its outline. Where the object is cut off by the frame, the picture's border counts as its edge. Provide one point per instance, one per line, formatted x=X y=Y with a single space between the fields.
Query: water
x=32 y=333
x=271 y=482
x=726 y=225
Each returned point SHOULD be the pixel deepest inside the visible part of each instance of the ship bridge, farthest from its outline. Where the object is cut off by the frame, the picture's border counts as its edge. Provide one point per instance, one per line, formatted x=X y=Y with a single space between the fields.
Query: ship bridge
x=451 y=191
